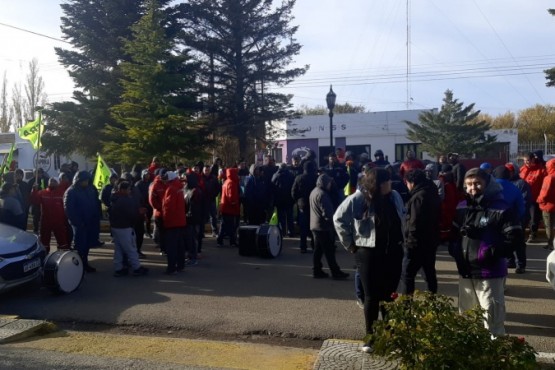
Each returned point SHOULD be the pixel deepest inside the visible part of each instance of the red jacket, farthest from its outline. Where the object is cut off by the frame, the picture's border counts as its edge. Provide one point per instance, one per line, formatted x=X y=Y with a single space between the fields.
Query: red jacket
x=229 y=203
x=51 y=201
x=173 y=205
x=156 y=193
x=533 y=174
x=546 y=198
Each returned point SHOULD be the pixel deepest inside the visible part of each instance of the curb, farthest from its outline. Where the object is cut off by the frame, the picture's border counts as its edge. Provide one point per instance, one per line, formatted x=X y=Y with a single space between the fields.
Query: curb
x=12 y=328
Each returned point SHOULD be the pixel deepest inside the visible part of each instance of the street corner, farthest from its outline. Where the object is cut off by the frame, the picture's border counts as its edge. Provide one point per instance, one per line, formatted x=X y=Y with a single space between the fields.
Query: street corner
x=13 y=328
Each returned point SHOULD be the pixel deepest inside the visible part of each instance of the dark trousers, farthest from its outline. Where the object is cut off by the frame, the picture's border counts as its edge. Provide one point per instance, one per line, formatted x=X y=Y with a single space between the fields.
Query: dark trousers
x=285 y=218
x=324 y=244
x=414 y=260
x=191 y=232
x=175 y=248
x=159 y=233
x=380 y=273
x=84 y=237
x=304 y=226
x=520 y=251
x=535 y=217
x=139 y=234
x=228 y=228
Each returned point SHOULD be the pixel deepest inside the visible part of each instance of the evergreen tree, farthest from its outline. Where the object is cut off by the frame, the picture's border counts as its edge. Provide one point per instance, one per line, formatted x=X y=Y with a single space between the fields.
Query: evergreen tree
x=550 y=73
x=159 y=99
x=246 y=46
x=453 y=129
x=96 y=30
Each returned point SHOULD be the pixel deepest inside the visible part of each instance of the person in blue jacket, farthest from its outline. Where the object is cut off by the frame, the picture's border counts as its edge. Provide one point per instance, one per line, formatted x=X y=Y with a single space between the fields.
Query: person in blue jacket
x=82 y=207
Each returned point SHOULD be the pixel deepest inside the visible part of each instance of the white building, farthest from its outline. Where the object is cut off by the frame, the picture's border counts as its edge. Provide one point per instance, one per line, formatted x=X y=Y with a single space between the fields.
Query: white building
x=28 y=159
x=364 y=133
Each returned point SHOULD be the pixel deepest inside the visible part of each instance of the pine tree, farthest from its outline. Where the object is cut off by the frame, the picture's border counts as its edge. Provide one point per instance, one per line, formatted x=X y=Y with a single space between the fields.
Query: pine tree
x=453 y=129
x=246 y=46
x=159 y=99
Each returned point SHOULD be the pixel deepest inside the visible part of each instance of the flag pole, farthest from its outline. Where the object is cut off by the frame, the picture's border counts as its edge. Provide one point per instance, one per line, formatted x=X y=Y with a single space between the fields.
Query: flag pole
x=38 y=109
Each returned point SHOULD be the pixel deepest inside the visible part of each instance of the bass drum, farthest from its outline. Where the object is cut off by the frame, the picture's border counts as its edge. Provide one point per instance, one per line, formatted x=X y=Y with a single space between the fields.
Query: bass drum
x=247 y=240
x=269 y=241
x=63 y=271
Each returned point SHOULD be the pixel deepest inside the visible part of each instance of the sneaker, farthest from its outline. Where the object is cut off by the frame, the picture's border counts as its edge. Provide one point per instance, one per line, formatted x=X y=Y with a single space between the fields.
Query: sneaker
x=142 y=256
x=320 y=275
x=140 y=271
x=122 y=272
x=520 y=270
x=367 y=348
x=191 y=263
x=340 y=275
x=360 y=303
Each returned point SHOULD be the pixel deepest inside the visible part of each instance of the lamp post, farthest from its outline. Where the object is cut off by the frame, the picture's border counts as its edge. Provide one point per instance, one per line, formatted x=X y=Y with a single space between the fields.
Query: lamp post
x=330 y=101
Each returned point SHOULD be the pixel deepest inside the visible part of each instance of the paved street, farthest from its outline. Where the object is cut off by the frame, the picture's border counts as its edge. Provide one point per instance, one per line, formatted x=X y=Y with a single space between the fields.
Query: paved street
x=232 y=297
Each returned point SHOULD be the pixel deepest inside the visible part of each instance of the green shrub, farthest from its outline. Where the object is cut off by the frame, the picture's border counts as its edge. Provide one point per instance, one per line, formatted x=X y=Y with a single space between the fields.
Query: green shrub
x=426 y=331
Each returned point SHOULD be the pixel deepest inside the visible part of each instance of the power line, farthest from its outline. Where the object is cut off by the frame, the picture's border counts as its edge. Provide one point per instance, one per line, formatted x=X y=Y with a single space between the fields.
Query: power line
x=32 y=32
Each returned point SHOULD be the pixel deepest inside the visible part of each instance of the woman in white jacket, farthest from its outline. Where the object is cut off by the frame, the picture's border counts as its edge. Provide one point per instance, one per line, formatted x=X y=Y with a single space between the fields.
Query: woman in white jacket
x=370 y=223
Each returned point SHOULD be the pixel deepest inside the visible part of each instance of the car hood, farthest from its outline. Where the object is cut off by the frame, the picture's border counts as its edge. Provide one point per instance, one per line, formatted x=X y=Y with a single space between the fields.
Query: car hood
x=14 y=240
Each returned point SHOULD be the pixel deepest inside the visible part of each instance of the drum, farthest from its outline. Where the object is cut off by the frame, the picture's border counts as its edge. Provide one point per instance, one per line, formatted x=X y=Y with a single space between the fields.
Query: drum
x=63 y=271
x=269 y=241
x=247 y=240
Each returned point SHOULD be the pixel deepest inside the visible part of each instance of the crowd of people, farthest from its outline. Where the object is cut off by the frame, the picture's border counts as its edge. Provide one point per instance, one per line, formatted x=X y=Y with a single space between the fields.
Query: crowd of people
x=392 y=220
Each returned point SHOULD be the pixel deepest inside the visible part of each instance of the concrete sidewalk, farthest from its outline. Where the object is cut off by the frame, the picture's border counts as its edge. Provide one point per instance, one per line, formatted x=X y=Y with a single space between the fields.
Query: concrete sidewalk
x=335 y=354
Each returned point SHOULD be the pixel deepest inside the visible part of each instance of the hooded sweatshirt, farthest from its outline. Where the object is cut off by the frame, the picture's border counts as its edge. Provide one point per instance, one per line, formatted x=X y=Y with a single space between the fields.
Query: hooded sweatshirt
x=321 y=206
x=229 y=203
x=546 y=198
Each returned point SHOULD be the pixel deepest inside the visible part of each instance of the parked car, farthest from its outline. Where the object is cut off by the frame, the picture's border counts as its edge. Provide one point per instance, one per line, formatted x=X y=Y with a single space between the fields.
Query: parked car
x=21 y=257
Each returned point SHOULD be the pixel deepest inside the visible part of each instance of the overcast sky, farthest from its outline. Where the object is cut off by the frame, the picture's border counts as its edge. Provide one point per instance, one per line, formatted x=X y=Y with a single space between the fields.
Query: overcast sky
x=491 y=53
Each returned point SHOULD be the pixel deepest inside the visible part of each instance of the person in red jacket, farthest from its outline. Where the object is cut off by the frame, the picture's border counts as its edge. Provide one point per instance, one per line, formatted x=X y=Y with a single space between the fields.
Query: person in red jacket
x=411 y=163
x=174 y=219
x=546 y=202
x=156 y=193
x=533 y=173
x=53 y=217
x=230 y=207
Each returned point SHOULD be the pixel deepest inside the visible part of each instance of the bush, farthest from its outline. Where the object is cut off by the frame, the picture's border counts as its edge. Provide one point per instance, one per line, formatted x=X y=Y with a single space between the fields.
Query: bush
x=425 y=331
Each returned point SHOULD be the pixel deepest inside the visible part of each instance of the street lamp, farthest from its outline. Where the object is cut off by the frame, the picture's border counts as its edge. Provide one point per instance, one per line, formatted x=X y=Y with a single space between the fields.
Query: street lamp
x=330 y=101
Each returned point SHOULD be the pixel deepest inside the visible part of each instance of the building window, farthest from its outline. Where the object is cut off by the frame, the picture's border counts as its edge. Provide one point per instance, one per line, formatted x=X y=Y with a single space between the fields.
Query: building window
x=402 y=149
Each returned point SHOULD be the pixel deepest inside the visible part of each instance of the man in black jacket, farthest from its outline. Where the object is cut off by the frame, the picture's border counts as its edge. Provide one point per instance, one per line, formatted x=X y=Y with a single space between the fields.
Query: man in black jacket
x=422 y=231
x=300 y=192
x=282 y=183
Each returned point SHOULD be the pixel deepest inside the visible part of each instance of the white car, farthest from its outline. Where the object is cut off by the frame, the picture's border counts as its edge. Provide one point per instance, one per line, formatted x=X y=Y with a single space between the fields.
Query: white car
x=21 y=257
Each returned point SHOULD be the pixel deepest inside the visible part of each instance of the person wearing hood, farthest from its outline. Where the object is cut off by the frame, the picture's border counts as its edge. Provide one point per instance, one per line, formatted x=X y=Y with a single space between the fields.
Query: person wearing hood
x=256 y=196
x=422 y=233
x=380 y=159
x=300 y=192
x=546 y=202
x=484 y=230
x=82 y=207
x=53 y=217
x=513 y=197
x=230 y=207
x=124 y=215
x=321 y=226
x=194 y=211
x=533 y=173
x=282 y=183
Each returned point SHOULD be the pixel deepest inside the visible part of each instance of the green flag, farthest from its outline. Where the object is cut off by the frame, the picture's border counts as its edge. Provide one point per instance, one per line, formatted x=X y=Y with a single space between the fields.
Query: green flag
x=8 y=161
x=102 y=174
x=32 y=131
